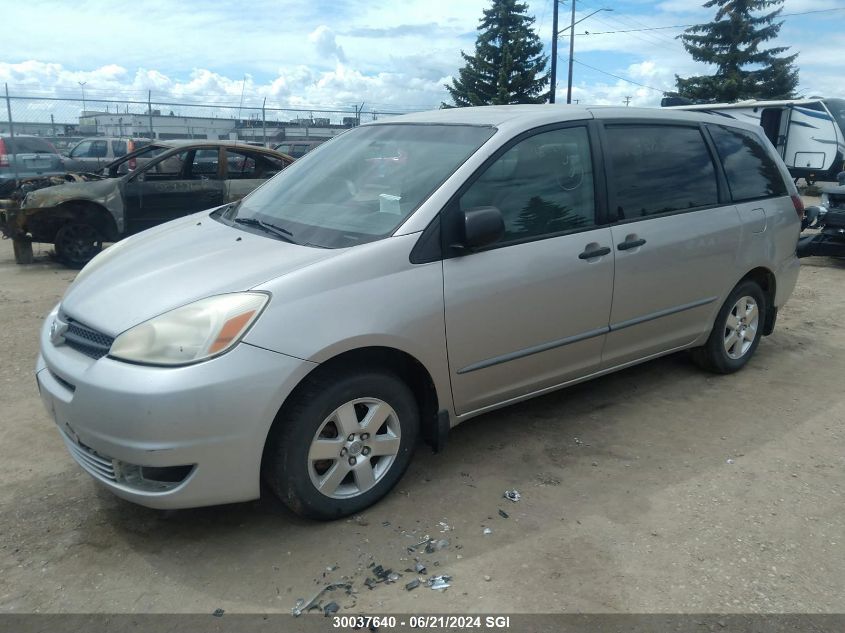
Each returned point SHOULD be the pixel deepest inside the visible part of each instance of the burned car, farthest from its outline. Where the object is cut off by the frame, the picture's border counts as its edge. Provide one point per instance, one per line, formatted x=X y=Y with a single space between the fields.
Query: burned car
x=155 y=184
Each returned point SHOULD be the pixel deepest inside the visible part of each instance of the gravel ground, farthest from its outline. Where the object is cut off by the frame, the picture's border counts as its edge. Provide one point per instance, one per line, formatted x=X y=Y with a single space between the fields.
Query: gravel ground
x=657 y=489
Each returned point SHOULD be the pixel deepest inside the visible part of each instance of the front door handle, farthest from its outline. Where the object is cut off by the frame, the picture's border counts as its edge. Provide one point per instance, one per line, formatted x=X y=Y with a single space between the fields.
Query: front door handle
x=594 y=250
x=629 y=243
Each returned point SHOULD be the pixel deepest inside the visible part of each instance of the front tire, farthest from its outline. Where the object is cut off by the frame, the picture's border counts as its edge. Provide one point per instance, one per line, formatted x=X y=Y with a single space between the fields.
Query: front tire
x=736 y=332
x=341 y=443
x=77 y=243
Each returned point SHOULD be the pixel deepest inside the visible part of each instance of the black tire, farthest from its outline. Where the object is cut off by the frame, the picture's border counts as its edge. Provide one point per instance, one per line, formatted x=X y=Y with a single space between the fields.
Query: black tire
x=286 y=466
x=713 y=355
x=77 y=243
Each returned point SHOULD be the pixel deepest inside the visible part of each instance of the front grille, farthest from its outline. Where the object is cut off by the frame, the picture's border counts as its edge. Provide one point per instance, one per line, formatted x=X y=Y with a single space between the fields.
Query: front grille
x=87 y=340
x=90 y=460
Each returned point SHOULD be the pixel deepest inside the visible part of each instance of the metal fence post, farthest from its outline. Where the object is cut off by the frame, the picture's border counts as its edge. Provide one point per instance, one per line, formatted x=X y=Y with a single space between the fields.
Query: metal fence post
x=150 y=113
x=12 y=134
x=264 y=121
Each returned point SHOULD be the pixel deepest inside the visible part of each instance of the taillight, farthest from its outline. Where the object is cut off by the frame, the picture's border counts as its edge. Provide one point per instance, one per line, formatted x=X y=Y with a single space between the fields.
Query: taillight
x=798 y=203
x=132 y=162
x=4 y=157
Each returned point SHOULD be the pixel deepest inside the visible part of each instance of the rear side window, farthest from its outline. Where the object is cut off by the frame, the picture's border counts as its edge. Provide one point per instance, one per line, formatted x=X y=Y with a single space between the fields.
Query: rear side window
x=118 y=148
x=750 y=169
x=659 y=169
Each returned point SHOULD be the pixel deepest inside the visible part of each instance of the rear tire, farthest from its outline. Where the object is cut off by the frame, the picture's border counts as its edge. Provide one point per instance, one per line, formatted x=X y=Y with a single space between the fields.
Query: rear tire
x=736 y=332
x=77 y=243
x=341 y=443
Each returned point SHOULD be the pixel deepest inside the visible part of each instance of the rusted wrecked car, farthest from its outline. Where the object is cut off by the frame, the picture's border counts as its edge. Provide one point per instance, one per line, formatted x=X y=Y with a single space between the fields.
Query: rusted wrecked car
x=160 y=182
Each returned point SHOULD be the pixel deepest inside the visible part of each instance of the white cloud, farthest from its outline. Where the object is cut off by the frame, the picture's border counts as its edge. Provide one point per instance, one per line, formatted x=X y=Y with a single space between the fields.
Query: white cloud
x=325 y=43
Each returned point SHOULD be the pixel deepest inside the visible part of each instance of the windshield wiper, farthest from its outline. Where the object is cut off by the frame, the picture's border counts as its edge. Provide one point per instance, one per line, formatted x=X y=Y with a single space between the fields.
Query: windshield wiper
x=268 y=228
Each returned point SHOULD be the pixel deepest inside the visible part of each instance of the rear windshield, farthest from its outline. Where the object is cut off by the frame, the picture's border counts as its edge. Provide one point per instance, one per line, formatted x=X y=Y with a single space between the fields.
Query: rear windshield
x=27 y=145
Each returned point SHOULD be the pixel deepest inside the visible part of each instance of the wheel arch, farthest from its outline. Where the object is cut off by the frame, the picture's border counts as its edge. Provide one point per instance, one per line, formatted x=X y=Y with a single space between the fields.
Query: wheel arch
x=93 y=212
x=764 y=278
x=408 y=368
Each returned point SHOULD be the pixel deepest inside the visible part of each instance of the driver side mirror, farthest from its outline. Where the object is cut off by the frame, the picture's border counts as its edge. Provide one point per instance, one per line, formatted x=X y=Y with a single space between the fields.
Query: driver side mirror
x=482 y=226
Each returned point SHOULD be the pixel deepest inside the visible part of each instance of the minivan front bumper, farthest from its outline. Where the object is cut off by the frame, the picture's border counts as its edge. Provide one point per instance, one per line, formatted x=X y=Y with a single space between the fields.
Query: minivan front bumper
x=168 y=437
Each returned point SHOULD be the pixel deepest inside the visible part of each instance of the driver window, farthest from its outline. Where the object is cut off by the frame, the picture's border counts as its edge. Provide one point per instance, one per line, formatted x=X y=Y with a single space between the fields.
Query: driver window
x=171 y=168
x=543 y=185
x=81 y=150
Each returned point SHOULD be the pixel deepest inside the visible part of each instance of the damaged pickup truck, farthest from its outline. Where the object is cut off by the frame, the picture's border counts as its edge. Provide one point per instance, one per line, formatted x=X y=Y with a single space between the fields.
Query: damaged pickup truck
x=158 y=183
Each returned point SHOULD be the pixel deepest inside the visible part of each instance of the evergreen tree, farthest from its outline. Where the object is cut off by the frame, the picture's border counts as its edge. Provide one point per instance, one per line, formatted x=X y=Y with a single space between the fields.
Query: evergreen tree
x=732 y=42
x=508 y=63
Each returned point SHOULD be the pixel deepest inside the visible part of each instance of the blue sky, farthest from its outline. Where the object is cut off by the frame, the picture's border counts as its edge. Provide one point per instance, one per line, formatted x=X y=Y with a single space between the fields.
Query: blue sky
x=389 y=55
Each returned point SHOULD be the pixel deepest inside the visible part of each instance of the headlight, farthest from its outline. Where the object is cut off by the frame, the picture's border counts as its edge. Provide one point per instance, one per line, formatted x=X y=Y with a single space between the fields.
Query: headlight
x=194 y=332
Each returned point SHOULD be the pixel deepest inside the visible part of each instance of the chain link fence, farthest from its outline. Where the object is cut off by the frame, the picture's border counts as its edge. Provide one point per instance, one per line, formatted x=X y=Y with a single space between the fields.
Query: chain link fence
x=65 y=121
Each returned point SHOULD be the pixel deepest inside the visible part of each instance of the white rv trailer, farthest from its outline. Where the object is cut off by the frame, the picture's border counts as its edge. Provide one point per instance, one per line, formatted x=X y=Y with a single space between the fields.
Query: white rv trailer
x=808 y=133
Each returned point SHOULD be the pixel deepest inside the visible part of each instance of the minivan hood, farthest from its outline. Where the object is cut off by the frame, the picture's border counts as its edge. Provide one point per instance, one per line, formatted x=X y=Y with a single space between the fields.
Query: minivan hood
x=174 y=264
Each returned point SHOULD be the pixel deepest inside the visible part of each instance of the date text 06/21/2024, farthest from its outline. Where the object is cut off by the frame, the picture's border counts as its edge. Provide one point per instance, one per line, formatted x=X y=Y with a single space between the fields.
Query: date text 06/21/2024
x=357 y=622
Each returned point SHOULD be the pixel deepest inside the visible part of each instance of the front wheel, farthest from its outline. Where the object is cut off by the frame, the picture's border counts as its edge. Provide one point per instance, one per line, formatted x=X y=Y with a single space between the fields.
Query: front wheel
x=341 y=444
x=77 y=242
x=736 y=332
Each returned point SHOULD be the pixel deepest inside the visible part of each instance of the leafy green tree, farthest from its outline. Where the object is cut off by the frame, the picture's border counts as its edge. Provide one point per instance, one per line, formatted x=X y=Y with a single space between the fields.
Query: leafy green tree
x=508 y=63
x=733 y=42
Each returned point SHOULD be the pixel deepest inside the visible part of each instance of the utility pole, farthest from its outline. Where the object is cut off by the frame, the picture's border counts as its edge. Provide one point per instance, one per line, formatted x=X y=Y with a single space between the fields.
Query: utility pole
x=555 y=34
x=571 y=54
x=627 y=101
x=554 y=53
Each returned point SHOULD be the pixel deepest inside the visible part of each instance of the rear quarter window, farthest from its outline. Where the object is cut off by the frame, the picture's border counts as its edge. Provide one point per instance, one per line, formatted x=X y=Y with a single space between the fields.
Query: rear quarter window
x=659 y=169
x=749 y=167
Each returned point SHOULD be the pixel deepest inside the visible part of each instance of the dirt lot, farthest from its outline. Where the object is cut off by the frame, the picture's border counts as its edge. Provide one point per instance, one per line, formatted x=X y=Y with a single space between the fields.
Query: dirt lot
x=658 y=489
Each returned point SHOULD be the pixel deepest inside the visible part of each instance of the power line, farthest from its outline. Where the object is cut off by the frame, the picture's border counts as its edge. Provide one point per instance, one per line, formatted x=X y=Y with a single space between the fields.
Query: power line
x=633 y=23
x=652 y=39
x=685 y=26
x=630 y=81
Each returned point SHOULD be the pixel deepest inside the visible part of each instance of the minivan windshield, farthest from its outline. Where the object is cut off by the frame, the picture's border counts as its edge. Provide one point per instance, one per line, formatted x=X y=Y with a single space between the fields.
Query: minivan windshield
x=360 y=186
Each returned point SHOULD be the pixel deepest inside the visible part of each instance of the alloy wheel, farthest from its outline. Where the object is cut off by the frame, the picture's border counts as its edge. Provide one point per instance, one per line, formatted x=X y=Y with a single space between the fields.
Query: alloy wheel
x=741 y=327
x=354 y=448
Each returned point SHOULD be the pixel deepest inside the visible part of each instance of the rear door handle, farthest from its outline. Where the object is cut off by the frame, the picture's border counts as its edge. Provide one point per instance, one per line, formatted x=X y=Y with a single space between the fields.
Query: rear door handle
x=629 y=244
x=594 y=251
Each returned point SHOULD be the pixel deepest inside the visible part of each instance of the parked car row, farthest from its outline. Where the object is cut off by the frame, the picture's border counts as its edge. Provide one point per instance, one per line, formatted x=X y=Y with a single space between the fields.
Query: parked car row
x=155 y=183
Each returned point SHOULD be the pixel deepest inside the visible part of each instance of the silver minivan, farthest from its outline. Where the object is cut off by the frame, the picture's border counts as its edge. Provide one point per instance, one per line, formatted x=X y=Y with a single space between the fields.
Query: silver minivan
x=404 y=277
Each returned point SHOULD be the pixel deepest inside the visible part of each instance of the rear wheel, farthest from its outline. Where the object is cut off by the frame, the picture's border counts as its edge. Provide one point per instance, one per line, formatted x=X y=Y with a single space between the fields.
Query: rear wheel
x=341 y=444
x=736 y=332
x=77 y=242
